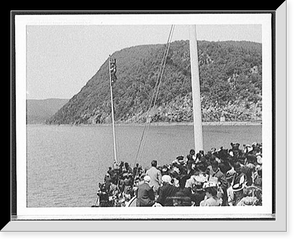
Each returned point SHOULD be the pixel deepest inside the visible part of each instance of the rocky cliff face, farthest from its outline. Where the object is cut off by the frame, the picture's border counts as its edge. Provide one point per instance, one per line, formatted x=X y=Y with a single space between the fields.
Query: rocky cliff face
x=230 y=77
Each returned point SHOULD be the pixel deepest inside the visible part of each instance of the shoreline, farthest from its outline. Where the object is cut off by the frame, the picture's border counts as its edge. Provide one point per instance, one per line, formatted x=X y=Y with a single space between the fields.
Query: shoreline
x=165 y=124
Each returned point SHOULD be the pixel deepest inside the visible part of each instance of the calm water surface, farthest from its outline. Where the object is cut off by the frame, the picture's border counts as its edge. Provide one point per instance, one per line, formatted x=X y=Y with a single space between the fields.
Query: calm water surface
x=66 y=163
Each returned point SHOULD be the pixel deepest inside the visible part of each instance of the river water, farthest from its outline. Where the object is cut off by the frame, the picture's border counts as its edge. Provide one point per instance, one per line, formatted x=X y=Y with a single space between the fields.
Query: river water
x=66 y=163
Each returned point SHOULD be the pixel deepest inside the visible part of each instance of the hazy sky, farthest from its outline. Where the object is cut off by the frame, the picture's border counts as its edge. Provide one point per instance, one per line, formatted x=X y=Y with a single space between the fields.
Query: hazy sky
x=62 y=58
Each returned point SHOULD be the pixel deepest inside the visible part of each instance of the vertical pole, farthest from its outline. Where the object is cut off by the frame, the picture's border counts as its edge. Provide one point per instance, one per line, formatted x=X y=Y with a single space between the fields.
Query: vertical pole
x=197 y=113
x=112 y=113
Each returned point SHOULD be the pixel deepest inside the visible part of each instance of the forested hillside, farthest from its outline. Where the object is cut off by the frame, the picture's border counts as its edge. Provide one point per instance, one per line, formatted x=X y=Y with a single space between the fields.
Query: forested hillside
x=38 y=111
x=230 y=77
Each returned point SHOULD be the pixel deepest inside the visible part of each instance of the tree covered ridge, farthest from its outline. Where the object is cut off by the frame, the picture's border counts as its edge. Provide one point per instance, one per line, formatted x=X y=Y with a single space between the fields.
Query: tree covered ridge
x=230 y=77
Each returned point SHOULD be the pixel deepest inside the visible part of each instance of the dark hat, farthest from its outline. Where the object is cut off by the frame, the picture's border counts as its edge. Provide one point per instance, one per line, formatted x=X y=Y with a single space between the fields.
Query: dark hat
x=180 y=157
x=203 y=159
x=214 y=163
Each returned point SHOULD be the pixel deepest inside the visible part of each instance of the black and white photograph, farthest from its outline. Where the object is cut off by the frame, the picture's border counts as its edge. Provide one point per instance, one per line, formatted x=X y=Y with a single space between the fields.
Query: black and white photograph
x=129 y=127
x=145 y=117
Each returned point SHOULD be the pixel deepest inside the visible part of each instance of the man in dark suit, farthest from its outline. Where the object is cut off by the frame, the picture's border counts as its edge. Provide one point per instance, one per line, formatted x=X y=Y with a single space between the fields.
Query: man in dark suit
x=145 y=194
x=165 y=191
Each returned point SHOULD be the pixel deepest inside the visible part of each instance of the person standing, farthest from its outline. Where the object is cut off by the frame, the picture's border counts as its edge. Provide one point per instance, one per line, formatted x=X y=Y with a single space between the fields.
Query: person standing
x=217 y=173
x=155 y=176
x=145 y=194
x=191 y=156
x=239 y=181
x=189 y=169
x=136 y=170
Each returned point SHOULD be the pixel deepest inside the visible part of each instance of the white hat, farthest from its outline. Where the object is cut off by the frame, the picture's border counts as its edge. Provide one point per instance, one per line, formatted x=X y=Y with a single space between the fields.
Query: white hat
x=259 y=159
x=200 y=178
x=147 y=178
x=166 y=178
x=209 y=184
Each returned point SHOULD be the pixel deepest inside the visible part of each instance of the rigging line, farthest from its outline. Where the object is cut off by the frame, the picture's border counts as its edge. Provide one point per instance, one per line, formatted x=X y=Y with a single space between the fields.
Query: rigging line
x=154 y=95
x=161 y=74
x=163 y=68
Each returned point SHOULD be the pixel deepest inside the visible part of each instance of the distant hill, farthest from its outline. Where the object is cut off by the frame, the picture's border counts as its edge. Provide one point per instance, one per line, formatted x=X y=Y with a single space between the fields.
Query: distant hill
x=230 y=77
x=38 y=111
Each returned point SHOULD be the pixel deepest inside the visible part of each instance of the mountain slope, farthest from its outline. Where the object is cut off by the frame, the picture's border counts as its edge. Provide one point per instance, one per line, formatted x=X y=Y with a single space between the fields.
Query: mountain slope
x=38 y=111
x=230 y=76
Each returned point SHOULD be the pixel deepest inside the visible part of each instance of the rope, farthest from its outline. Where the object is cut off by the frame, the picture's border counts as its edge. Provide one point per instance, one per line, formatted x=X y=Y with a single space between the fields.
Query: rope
x=156 y=87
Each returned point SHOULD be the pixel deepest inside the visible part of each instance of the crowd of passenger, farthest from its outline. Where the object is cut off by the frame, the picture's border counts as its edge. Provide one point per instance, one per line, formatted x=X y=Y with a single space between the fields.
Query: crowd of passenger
x=223 y=177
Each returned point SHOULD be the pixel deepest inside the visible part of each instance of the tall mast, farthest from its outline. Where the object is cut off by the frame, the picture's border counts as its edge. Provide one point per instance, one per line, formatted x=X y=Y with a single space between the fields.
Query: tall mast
x=197 y=113
x=112 y=112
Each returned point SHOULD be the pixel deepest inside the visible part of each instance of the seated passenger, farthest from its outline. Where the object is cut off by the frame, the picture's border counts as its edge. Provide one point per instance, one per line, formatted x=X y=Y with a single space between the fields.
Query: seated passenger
x=211 y=198
x=145 y=194
x=166 y=190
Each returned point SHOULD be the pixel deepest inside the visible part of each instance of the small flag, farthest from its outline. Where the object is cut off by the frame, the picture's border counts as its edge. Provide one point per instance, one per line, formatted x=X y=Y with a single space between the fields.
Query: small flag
x=113 y=70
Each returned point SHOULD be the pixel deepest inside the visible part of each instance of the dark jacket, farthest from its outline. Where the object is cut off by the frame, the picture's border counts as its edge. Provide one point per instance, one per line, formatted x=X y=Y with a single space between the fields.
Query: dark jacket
x=165 y=191
x=248 y=172
x=186 y=192
x=183 y=197
x=191 y=157
x=145 y=196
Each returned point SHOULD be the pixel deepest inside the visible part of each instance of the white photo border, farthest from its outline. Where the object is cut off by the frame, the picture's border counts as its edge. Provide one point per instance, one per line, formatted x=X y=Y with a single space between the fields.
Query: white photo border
x=257 y=212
